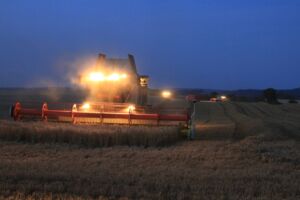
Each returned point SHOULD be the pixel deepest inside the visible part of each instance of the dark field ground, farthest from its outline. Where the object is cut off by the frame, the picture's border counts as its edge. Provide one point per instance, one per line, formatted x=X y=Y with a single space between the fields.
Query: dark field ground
x=242 y=151
x=247 y=169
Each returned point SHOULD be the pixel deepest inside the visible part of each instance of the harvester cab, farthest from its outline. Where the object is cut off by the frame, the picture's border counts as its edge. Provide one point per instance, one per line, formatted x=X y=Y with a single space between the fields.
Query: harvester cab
x=115 y=80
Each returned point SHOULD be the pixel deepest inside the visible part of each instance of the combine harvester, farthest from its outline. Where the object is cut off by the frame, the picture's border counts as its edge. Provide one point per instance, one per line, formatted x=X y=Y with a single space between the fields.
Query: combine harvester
x=118 y=95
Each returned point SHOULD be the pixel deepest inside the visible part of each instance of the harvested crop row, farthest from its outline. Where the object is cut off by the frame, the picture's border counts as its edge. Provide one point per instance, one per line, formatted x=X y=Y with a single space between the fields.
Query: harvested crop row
x=264 y=119
x=212 y=122
x=211 y=113
x=280 y=112
x=239 y=120
x=245 y=125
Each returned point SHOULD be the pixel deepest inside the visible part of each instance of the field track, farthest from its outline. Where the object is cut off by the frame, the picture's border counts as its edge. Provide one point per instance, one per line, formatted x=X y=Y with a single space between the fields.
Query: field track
x=239 y=120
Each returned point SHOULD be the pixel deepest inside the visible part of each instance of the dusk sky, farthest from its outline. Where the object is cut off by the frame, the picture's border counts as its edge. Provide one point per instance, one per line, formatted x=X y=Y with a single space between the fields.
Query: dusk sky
x=215 y=44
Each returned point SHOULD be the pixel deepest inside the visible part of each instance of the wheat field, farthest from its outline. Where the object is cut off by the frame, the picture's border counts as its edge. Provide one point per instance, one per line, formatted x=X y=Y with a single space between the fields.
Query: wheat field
x=88 y=135
x=241 y=151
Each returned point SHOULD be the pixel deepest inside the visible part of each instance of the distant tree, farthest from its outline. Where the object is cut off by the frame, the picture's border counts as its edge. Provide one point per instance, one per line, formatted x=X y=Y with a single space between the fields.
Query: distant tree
x=270 y=95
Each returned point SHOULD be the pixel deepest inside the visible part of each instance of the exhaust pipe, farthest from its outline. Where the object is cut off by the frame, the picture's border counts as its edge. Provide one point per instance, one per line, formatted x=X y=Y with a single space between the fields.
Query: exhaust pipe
x=132 y=63
x=101 y=59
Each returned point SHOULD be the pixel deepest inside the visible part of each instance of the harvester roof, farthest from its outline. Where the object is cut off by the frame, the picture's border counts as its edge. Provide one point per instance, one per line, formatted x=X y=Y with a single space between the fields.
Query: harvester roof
x=127 y=64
